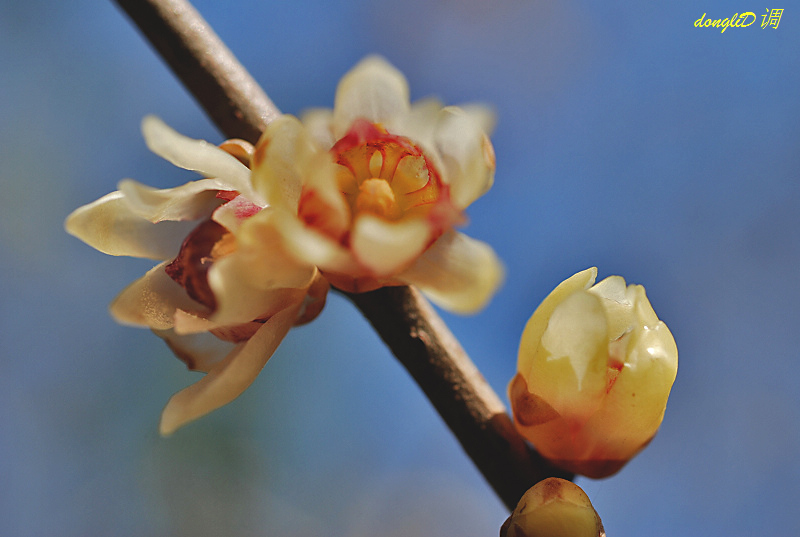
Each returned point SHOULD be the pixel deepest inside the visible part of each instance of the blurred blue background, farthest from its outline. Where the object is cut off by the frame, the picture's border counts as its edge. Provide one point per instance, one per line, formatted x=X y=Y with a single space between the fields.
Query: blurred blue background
x=627 y=139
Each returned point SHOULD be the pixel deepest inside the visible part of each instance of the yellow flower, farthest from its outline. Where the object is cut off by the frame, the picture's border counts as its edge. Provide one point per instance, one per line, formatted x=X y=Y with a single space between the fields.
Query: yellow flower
x=595 y=369
x=554 y=508
x=225 y=293
x=369 y=192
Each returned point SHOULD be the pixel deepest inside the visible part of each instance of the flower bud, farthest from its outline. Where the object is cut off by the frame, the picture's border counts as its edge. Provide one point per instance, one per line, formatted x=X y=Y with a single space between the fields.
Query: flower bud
x=595 y=369
x=554 y=508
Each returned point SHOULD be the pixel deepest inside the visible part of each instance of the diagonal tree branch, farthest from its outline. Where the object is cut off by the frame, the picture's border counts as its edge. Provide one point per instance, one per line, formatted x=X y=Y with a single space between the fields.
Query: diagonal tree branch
x=208 y=69
x=402 y=317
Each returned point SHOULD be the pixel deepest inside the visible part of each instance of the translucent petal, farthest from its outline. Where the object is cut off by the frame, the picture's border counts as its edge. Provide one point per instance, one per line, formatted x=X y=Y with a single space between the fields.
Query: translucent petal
x=386 y=247
x=537 y=324
x=457 y=272
x=313 y=247
x=467 y=155
x=238 y=301
x=110 y=226
x=571 y=373
x=191 y=201
x=420 y=123
x=319 y=124
x=196 y=155
x=280 y=160
x=200 y=352
x=152 y=301
x=230 y=377
x=262 y=259
x=373 y=90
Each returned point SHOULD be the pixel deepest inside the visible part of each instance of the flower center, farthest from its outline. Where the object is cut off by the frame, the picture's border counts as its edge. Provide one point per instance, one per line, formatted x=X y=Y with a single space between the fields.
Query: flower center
x=385 y=174
x=377 y=197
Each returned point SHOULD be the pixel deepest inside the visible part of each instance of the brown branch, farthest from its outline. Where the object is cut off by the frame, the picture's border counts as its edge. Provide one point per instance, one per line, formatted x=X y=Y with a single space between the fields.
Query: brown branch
x=402 y=317
x=435 y=359
x=208 y=69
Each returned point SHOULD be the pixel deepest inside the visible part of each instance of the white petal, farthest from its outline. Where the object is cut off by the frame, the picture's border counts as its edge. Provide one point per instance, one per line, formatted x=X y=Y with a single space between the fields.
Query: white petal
x=238 y=301
x=319 y=124
x=279 y=161
x=467 y=155
x=200 y=352
x=152 y=301
x=457 y=272
x=313 y=247
x=388 y=247
x=373 y=90
x=109 y=225
x=420 y=123
x=261 y=259
x=196 y=155
x=229 y=378
x=192 y=201
x=484 y=116
x=234 y=213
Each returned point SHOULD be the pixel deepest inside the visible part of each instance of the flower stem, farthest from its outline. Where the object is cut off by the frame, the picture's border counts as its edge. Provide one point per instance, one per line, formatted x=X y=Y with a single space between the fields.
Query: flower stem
x=402 y=317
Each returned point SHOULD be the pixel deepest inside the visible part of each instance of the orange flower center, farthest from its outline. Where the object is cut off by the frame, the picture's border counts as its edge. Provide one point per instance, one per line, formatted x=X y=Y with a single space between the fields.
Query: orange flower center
x=385 y=174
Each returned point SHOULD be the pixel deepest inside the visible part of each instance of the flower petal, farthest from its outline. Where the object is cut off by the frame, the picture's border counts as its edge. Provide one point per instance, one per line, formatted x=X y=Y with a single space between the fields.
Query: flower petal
x=200 y=352
x=230 y=377
x=110 y=226
x=386 y=247
x=191 y=201
x=319 y=124
x=373 y=90
x=419 y=124
x=152 y=301
x=457 y=272
x=537 y=324
x=314 y=247
x=467 y=155
x=261 y=259
x=279 y=161
x=196 y=155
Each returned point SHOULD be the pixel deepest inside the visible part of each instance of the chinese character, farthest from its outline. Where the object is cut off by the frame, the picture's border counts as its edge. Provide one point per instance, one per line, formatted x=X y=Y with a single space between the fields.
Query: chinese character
x=771 y=18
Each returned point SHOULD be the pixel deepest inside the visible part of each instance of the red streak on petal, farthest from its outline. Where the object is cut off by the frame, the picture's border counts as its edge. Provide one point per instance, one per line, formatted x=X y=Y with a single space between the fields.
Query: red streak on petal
x=614 y=369
x=227 y=195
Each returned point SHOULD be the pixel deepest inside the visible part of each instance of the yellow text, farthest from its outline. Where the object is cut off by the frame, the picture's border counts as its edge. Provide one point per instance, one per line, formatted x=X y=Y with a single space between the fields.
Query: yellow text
x=737 y=21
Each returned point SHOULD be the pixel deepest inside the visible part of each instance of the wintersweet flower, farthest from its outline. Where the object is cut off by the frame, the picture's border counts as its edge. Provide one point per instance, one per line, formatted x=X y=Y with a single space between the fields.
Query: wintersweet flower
x=225 y=293
x=370 y=191
x=554 y=507
x=595 y=369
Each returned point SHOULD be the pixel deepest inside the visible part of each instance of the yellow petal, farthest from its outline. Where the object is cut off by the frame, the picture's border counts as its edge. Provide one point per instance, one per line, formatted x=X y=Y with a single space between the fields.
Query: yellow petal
x=554 y=508
x=196 y=155
x=230 y=377
x=386 y=247
x=152 y=301
x=373 y=90
x=200 y=352
x=467 y=155
x=537 y=324
x=457 y=272
x=110 y=226
x=280 y=160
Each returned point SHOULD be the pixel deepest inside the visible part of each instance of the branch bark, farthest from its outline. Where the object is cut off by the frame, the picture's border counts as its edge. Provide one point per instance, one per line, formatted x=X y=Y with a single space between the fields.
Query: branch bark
x=208 y=69
x=402 y=317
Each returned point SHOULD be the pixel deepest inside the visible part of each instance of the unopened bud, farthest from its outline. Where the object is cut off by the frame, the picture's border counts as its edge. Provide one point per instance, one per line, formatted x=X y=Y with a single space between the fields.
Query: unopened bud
x=554 y=508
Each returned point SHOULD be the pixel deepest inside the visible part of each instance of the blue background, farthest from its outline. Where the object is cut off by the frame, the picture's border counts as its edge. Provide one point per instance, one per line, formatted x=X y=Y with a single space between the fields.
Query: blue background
x=627 y=139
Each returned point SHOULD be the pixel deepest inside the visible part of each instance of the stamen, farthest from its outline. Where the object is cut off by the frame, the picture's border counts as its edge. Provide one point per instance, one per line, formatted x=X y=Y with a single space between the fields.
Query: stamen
x=376 y=196
x=376 y=163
